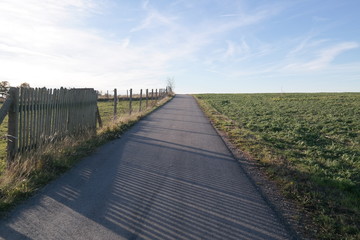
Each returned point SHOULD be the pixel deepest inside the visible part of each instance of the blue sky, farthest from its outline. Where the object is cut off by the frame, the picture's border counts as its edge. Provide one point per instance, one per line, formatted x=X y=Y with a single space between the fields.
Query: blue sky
x=216 y=46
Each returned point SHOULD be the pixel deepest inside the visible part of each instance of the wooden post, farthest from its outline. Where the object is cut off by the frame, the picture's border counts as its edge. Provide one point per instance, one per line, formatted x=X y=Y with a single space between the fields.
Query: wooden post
x=95 y=99
x=147 y=97
x=152 y=97
x=5 y=109
x=140 y=100
x=115 y=103
x=98 y=117
x=156 y=95
x=12 y=141
x=130 y=101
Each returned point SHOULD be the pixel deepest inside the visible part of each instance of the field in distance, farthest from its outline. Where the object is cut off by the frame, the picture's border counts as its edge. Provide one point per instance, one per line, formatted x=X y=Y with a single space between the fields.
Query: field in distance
x=310 y=143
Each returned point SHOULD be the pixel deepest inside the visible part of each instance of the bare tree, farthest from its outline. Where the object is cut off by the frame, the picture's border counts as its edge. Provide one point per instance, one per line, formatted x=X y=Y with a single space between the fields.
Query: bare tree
x=170 y=85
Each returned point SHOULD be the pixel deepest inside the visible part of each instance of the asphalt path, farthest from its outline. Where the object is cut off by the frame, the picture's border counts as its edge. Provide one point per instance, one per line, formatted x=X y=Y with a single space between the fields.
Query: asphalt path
x=169 y=177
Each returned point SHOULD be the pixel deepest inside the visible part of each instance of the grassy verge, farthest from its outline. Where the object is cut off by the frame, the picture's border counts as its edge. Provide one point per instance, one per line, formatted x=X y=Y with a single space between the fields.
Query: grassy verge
x=308 y=143
x=30 y=172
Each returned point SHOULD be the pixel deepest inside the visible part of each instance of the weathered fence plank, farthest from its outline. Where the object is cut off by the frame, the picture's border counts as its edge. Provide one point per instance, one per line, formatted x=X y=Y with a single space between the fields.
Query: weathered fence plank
x=26 y=118
x=12 y=142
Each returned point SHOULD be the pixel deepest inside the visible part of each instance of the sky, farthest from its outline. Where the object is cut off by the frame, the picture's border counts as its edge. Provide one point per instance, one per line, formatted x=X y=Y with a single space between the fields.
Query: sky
x=205 y=46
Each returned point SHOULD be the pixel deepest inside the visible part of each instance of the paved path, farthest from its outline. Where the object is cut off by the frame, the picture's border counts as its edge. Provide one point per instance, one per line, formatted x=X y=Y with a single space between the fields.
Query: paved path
x=169 y=177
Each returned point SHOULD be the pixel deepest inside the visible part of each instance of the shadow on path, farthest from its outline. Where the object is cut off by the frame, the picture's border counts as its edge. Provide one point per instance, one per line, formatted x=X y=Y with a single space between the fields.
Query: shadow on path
x=156 y=182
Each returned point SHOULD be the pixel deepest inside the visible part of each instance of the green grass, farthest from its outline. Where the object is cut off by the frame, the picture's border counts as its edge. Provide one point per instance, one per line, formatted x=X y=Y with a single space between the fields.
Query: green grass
x=310 y=143
x=106 y=108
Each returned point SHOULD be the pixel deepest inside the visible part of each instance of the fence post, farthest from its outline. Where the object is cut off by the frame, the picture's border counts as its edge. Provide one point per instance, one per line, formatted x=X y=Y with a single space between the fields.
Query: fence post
x=5 y=109
x=98 y=117
x=147 y=97
x=130 y=102
x=156 y=95
x=115 y=103
x=140 y=100
x=12 y=141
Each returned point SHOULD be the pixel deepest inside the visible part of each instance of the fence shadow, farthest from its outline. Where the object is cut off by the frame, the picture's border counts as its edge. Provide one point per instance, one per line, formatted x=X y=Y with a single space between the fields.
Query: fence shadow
x=147 y=187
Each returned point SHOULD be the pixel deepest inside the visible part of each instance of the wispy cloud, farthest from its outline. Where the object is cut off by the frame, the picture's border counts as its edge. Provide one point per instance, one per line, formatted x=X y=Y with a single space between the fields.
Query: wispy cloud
x=307 y=45
x=145 y=4
x=153 y=18
x=323 y=58
x=42 y=44
x=243 y=20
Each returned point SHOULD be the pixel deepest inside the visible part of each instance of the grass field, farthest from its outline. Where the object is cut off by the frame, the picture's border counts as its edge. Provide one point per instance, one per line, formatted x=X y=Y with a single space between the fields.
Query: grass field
x=106 y=108
x=310 y=144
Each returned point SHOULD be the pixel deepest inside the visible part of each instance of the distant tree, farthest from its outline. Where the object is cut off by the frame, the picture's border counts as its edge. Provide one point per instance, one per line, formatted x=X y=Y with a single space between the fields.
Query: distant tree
x=4 y=86
x=25 y=85
x=170 y=85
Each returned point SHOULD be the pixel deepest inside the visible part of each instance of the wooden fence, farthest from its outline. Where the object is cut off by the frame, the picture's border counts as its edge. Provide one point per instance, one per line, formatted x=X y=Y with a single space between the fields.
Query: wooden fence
x=40 y=115
x=152 y=96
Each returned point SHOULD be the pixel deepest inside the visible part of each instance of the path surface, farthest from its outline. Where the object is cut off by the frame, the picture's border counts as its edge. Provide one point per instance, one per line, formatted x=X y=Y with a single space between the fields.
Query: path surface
x=169 y=177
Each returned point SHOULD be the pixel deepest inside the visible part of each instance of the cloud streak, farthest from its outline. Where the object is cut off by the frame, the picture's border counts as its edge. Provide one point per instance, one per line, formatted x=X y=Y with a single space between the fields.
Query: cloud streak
x=323 y=58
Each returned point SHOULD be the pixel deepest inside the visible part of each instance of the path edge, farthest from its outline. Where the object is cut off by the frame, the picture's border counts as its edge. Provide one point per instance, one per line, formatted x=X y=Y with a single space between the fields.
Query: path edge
x=268 y=191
